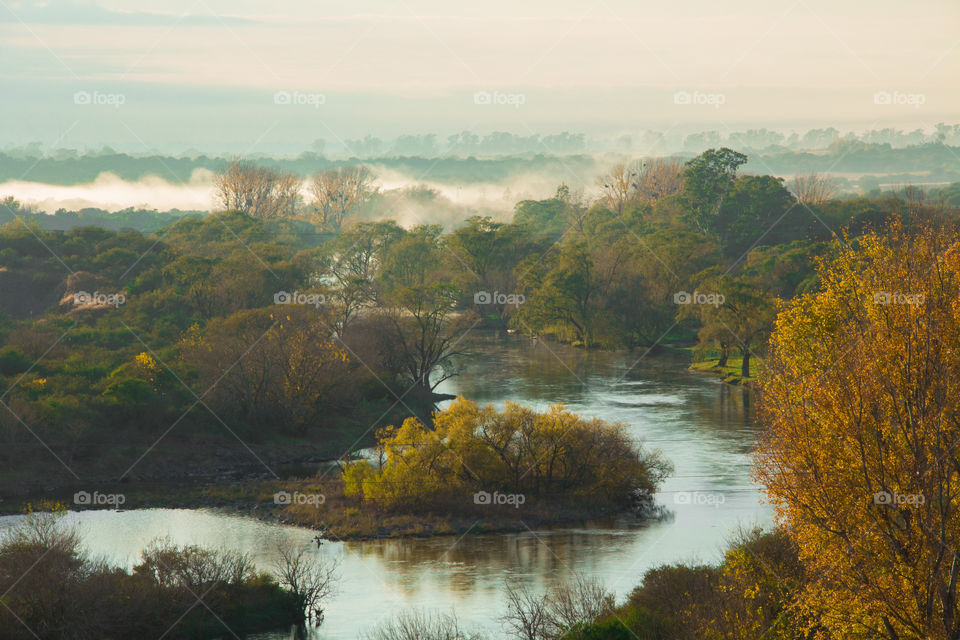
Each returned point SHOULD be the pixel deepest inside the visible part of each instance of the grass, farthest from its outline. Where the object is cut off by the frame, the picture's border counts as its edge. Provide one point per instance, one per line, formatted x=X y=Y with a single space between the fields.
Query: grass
x=731 y=372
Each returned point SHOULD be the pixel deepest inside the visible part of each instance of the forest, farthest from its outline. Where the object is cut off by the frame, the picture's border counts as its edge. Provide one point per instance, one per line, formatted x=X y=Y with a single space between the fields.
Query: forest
x=289 y=327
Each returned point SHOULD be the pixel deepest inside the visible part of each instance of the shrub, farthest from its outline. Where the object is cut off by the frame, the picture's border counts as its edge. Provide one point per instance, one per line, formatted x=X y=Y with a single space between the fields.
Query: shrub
x=554 y=455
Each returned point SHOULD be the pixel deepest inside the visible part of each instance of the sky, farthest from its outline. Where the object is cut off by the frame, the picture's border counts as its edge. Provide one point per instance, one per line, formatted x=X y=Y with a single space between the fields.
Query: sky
x=262 y=77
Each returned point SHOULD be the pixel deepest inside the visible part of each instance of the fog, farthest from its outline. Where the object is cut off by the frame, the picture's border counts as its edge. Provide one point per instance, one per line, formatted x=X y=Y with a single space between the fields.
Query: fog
x=112 y=193
x=404 y=198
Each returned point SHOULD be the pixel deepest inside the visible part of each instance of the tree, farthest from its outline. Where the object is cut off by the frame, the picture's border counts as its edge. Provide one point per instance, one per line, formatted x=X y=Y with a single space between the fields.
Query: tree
x=419 y=331
x=485 y=254
x=560 y=289
x=812 y=188
x=272 y=367
x=545 y=218
x=259 y=192
x=311 y=579
x=420 y=625
x=753 y=593
x=862 y=421
x=555 y=456
x=351 y=265
x=735 y=312
x=706 y=180
x=551 y=615
x=659 y=178
x=619 y=185
x=338 y=192
x=755 y=210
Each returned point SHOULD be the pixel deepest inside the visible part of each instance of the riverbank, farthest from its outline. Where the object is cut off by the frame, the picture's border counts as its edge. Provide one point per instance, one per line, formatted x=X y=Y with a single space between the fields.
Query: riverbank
x=320 y=504
x=729 y=373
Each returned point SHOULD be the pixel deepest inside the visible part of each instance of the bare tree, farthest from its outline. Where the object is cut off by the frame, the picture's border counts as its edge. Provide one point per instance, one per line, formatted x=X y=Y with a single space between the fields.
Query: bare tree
x=337 y=192
x=526 y=616
x=419 y=334
x=259 y=192
x=193 y=567
x=311 y=578
x=419 y=625
x=812 y=188
x=645 y=181
x=582 y=600
x=551 y=615
x=618 y=185
x=658 y=178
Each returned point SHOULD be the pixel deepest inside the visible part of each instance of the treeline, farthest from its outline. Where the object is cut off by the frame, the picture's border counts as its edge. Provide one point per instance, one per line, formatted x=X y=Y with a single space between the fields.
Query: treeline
x=883 y=156
x=77 y=169
x=816 y=139
x=143 y=220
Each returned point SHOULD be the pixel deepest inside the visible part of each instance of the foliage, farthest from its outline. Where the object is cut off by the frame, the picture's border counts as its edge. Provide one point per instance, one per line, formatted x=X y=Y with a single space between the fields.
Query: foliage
x=555 y=456
x=706 y=181
x=861 y=415
x=753 y=593
x=397 y=304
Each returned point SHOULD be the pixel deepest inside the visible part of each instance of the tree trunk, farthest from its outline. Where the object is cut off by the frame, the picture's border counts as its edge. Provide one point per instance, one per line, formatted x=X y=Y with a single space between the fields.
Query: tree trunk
x=745 y=364
x=724 y=354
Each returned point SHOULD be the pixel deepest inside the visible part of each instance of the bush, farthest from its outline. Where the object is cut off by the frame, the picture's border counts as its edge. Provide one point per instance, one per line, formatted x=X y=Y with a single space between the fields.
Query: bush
x=553 y=456
x=13 y=361
x=53 y=590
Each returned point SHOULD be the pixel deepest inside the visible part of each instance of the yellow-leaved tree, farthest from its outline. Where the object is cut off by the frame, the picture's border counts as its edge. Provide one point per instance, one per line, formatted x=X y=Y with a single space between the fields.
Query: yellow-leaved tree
x=554 y=456
x=861 y=450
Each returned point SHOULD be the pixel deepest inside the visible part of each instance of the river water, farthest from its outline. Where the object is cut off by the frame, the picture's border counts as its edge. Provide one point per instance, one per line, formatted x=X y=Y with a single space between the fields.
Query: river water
x=704 y=427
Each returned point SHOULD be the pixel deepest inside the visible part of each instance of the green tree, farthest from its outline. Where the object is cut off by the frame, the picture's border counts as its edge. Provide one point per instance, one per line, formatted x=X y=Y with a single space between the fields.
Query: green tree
x=706 y=180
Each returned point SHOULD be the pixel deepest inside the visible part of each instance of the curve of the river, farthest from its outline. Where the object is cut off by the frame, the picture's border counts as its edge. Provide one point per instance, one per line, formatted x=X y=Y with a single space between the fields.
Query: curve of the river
x=704 y=427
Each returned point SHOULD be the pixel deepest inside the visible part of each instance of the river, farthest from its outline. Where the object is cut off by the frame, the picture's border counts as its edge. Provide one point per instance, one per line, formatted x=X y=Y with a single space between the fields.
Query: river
x=704 y=427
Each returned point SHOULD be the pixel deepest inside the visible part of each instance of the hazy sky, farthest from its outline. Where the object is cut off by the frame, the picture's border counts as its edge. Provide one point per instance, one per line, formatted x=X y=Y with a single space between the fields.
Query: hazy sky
x=268 y=76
